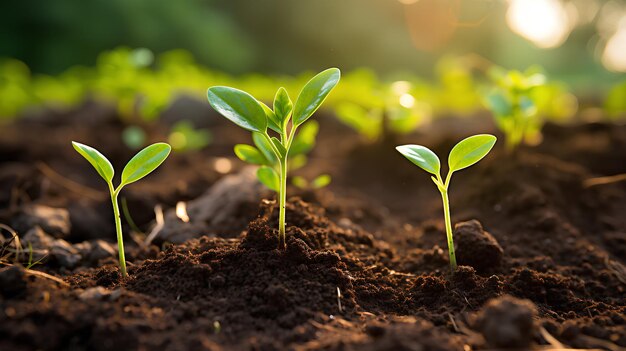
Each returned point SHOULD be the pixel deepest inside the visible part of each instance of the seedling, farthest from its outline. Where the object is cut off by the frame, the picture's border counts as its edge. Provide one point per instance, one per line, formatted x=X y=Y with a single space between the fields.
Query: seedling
x=185 y=137
x=318 y=182
x=464 y=154
x=271 y=152
x=142 y=164
x=387 y=109
x=32 y=263
x=520 y=101
x=512 y=104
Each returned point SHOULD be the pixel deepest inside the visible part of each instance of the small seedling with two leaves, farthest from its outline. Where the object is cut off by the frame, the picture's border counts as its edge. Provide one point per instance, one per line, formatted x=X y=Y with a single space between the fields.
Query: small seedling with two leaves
x=271 y=152
x=318 y=182
x=464 y=154
x=142 y=164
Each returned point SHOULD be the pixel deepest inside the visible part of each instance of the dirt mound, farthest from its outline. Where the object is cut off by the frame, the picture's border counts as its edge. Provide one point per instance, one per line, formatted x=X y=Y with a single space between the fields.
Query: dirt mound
x=366 y=265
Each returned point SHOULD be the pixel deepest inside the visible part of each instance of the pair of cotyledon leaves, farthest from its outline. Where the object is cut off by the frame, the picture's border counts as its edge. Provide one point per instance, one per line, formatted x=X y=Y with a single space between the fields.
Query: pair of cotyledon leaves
x=247 y=112
x=464 y=154
x=142 y=164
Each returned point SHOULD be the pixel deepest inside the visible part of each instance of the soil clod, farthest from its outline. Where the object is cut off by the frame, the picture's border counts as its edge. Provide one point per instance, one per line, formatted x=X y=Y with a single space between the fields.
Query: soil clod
x=54 y=221
x=507 y=322
x=477 y=248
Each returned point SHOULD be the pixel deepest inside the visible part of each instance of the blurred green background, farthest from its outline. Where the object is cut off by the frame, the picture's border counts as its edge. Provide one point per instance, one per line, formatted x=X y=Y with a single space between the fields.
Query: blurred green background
x=570 y=38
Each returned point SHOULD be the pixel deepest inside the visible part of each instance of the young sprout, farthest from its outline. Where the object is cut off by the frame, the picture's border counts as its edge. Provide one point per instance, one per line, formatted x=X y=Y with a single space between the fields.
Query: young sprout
x=385 y=110
x=272 y=152
x=464 y=154
x=520 y=101
x=318 y=182
x=142 y=164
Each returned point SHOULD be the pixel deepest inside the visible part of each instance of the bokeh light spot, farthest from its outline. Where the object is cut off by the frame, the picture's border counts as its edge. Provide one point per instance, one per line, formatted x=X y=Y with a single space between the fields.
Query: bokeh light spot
x=546 y=23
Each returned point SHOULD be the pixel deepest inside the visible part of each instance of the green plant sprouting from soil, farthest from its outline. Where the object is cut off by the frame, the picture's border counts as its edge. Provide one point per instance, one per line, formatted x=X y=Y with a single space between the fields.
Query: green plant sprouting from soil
x=271 y=152
x=142 y=164
x=377 y=110
x=464 y=154
x=31 y=262
x=520 y=101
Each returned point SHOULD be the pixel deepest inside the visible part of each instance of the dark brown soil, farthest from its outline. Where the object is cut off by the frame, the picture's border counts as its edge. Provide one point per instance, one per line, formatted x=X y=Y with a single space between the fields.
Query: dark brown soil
x=366 y=263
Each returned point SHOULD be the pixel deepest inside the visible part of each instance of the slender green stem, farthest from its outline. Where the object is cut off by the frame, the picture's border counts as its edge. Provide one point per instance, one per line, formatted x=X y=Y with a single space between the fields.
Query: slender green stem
x=118 y=229
x=282 y=193
x=443 y=189
x=446 y=216
x=282 y=203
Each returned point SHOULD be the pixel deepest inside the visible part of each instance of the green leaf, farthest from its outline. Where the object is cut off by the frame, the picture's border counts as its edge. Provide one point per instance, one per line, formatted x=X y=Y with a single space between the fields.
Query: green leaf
x=313 y=94
x=470 y=150
x=250 y=154
x=304 y=141
x=527 y=106
x=499 y=104
x=281 y=149
x=422 y=157
x=239 y=107
x=272 y=121
x=146 y=161
x=321 y=181
x=282 y=105
x=366 y=122
x=265 y=147
x=185 y=137
x=268 y=177
x=300 y=182
x=97 y=160
x=297 y=162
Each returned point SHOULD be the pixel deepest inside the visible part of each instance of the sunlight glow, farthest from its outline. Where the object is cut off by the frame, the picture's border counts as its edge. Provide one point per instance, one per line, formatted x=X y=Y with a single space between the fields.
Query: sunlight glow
x=408 y=2
x=614 y=55
x=546 y=23
x=407 y=100
x=400 y=87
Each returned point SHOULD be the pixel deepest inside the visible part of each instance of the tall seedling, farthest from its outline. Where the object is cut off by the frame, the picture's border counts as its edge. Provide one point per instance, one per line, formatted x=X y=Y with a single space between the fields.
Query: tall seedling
x=142 y=164
x=284 y=119
x=464 y=154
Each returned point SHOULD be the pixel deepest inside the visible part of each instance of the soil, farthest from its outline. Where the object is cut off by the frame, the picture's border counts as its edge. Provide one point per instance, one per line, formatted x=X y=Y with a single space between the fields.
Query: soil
x=541 y=253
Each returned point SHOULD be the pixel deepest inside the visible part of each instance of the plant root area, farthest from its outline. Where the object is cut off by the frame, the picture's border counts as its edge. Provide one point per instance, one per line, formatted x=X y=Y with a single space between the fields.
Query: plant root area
x=540 y=237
